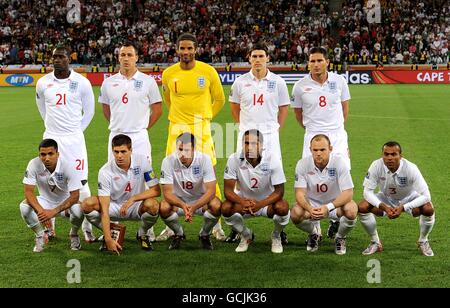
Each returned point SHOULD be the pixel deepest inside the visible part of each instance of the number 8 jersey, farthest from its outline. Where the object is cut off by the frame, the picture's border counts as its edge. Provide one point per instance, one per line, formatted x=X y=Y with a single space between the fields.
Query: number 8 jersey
x=323 y=186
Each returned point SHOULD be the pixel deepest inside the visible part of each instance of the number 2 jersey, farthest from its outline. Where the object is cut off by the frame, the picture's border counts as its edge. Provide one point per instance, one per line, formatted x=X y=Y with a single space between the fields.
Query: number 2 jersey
x=254 y=182
x=323 y=186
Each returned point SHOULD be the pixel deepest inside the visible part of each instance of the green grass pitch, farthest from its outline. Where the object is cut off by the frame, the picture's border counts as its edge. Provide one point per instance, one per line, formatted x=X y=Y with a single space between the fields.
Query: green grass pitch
x=418 y=116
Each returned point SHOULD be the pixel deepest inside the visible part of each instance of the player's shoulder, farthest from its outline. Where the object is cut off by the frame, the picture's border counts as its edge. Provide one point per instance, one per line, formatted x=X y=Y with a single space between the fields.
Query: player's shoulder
x=336 y=77
x=410 y=166
x=171 y=70
x=111 y=78
x=302 y=82
x=34 y=164
x=242 y=78
x=275 y=77
x=204 y=68
x=45 y=79
x=304 y=162
x=235 y=158
x=107 y=168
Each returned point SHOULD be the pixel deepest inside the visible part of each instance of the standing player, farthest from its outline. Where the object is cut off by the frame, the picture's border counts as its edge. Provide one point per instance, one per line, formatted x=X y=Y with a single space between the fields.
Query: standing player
x=323 y=189
x=254 y=186
x=131 y=104
x=194 y=95
x=66 y=103
x=123 y=194
x=260 y=100
x=402 y=189
x=59 y=191
x=189 y=186
x=321 y=104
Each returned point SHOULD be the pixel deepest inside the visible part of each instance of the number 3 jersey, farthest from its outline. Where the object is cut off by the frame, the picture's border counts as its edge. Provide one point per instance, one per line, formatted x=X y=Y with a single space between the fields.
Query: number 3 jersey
x=396 y=185
x=120 y=185
x=188 y=182
x=323 y=186
x=254 y=182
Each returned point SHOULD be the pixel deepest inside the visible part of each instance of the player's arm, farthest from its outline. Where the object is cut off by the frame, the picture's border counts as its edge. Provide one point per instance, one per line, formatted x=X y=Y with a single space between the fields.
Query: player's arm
x=40 y=101
x=299 y=116
x=73 y=198
x=345 y=109
x=421 y=187
x=282 y=114
x=106 y=111
x=300 y=197
x=229 y=193
x=209 y=194
x=31 y=199
x=111 y=245
x=88 y=102
x=165 y=90
x=274 y=197
x=152 y=192
x=344 y=197
x=156 y=112
x=235 y=111
x=171 y=198
x=217 y=94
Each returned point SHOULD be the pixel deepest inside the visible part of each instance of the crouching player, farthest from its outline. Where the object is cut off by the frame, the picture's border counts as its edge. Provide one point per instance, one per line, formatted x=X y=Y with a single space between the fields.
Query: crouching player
x=123 y=195
x=254 y=186
x=59 y=188
x=189 y=187
x=402 y=189
x=323 y=189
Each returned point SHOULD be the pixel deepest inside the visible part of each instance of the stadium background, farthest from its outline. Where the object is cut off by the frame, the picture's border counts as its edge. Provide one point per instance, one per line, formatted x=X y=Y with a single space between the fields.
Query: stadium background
x=415 y=115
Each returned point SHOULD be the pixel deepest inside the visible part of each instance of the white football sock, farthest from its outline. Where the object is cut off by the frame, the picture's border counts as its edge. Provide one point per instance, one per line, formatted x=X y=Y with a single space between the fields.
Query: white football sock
x=345 y=226
x=306 y=225
x=95 y=218
x=236 y=221
x=426 y=225
x=209 y=221
x=76 y=218
x=147 y=221
x=369 y=224
x=279 y=222
x=173 y=223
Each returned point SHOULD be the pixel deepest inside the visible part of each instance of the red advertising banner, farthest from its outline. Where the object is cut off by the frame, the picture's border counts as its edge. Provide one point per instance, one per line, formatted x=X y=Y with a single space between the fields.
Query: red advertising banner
x=415 y=77
x=96 y=79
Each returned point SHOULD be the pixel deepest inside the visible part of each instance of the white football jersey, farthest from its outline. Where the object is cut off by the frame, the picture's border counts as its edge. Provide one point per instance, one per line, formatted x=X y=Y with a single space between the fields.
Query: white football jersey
x=129 y=101
x=188 y=182
x=120 y=185
x=324 y=186
x=259 y=101
x=398 y=185
x=321 y=104
x=254 y=182
x=66 y=105
x=53 y=187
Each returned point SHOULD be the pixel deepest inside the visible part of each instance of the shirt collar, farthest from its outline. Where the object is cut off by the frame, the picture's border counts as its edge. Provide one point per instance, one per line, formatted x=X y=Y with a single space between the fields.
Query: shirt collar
x=120 y=169
x=134 y=77
x=62 y=80
x=267 y=77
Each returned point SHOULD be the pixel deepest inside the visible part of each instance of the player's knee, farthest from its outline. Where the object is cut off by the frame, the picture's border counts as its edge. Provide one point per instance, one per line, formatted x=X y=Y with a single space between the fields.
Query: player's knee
x=296 y=214
x=427 y=209
x=88 y=204
x=363 y=207
x=351 y=210
x=214 y=207
x=281 y=208
x=151 y=206
x=226 y=208
x=165 y=209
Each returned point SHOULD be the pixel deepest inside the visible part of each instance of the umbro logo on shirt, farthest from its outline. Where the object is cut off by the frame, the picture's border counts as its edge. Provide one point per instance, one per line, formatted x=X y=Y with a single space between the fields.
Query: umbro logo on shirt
x=116 y=178
x=115 y=85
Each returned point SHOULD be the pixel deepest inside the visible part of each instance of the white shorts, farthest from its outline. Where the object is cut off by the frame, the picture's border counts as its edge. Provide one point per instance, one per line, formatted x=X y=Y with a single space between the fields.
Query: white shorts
x=395 y=203
x=47 y=205
x=72 y=149
x=271 y=144
x=261 y=213
x=339 y=142
x=132 y=212
x=198 y=212
x=140 y=144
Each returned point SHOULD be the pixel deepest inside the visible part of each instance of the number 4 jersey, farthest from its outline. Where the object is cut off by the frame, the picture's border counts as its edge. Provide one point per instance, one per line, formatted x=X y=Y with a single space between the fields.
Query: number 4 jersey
x=323 y=186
